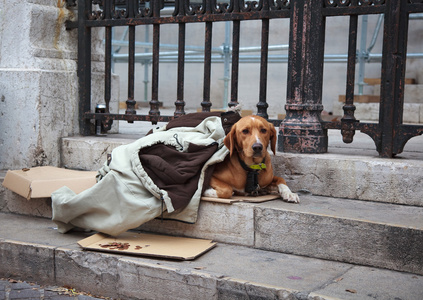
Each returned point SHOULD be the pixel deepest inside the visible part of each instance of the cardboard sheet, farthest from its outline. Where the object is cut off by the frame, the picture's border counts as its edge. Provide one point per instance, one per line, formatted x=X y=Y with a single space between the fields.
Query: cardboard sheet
x=40 y=182
x=144 y=244
x=249 y=199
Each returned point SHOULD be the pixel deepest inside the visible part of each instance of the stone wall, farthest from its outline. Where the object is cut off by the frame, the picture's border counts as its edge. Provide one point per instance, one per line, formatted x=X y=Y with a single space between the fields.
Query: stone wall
x=38 y=81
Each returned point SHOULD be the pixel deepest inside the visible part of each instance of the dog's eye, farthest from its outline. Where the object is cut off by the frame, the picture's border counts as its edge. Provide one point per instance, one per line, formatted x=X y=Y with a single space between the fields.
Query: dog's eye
x=245 y=131
x=263 y=130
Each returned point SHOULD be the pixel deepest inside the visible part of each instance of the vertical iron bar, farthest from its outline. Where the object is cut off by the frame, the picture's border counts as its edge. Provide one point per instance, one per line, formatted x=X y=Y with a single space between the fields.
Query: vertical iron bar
x=180 y=103
x=235 y=63
x=130 y=103
x=154 y=112
x=108 y=64
x=108 y=56
x=206 y=104
x=262 y=104
x=108 y=68
x=348 y=120
x=84 y=66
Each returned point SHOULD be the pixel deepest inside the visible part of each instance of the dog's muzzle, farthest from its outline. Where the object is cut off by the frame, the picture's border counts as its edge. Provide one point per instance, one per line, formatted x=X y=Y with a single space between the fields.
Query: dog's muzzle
x=257 y=149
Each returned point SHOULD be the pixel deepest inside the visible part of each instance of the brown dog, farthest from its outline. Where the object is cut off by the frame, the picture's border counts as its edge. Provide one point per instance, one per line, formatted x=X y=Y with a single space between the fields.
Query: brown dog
x=248 y=169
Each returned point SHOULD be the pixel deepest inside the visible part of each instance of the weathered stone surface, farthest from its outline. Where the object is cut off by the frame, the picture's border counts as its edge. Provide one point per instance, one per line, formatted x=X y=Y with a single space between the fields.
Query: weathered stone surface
x=88 y=153
x=39 y=87
x=370 y=111
x=220 y=222
x=374 y=284
x=354 y=177
x=237 y=289
x=225 y=272
x=155 y=281
x=324 y=230
x=412 y=92
x=89 y=271
x=23 y=260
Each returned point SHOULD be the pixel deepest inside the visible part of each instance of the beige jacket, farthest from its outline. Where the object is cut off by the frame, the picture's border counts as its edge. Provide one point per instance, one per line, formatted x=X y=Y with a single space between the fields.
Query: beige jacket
x=125 y=197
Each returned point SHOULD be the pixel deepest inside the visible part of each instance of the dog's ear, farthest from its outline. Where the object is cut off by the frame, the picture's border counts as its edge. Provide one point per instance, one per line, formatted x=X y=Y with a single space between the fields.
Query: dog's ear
x=230 y=140
x=273 y=137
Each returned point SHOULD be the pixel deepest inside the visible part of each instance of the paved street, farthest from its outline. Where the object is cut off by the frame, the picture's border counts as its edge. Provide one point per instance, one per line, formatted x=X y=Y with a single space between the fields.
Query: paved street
x=15 y=289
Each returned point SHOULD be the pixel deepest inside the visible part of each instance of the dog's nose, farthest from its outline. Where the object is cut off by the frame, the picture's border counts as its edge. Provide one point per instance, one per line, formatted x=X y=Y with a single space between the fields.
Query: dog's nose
x=257 y=147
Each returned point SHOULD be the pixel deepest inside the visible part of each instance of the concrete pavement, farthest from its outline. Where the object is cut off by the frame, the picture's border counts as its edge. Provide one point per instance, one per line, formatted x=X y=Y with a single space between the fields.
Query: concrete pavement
x=225 y=272
x=11 y=289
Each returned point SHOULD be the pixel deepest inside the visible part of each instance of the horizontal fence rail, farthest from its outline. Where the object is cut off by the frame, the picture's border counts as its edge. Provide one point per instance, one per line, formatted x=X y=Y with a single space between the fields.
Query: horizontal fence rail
x=302 y=130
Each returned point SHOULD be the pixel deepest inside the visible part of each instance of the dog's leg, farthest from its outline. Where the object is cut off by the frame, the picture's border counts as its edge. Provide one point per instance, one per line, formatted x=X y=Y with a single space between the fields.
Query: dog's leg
x=284 y=190
x=287 y=195
x=218 y=189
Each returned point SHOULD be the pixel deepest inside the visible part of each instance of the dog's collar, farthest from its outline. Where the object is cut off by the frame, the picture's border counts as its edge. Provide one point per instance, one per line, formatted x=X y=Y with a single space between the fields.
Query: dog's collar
x=252 y=185
x=256 y=167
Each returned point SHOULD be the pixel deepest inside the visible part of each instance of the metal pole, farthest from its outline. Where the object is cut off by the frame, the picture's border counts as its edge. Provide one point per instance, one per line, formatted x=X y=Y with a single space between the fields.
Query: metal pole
x=147 y=37
x=362 y=55
x=226 y=68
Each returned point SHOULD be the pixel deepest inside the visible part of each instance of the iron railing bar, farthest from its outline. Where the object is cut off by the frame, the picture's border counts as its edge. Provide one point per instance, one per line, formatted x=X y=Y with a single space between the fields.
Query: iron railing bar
x=347 y=131
x=144 y=117
x=206 y=104
x=108 y=68
x=235 y=62
x=234 y=16
x=154 y=103
x=130 y=103
x=84 y=66
x=262 y=104
x=179 y=104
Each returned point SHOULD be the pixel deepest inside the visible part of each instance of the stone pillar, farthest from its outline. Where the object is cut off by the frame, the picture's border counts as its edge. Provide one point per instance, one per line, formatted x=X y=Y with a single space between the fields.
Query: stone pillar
x=38 y=81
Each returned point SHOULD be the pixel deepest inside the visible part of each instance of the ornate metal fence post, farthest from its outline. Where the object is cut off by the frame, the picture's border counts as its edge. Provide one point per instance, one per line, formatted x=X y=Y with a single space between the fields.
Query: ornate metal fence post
x=393 y=74
x=84 y=66
x=302 y=131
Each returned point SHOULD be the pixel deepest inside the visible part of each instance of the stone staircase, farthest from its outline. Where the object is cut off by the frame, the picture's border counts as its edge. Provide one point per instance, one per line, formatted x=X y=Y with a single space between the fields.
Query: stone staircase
x=367 y=105
x=357 y=234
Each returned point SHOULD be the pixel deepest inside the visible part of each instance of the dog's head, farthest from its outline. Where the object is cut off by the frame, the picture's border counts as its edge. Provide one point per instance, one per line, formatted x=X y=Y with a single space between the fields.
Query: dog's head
x=250 y=137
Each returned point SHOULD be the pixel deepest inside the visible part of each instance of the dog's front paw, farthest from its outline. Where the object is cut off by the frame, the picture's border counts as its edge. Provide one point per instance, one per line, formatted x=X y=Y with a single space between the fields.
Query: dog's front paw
x=210 y=192
x=287 y=195
x=292 y=198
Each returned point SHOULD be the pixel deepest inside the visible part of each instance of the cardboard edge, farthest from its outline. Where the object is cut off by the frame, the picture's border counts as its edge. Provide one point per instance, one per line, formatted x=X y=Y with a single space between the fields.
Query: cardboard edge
x=97 y=237
x=84 y=243
x=212 y=245
x=12 y=180
x=247 y=199
x=218 y=200
x=77 y=185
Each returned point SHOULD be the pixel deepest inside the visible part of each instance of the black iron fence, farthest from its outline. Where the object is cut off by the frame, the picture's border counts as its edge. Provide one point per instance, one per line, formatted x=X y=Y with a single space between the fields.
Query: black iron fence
x=302 y=130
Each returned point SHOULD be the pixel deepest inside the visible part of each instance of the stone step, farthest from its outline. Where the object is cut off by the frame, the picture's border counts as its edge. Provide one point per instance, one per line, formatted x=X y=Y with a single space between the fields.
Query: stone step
x=368 y=233
x=413 y=112
x=378 y=81
x=31 y=249
x=348 y=171
x=412 y=93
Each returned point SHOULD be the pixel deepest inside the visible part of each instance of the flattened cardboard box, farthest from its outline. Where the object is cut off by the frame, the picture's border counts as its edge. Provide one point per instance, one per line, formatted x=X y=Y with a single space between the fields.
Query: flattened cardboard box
x=144 y=244
x=249 y=199
x=40 y=182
